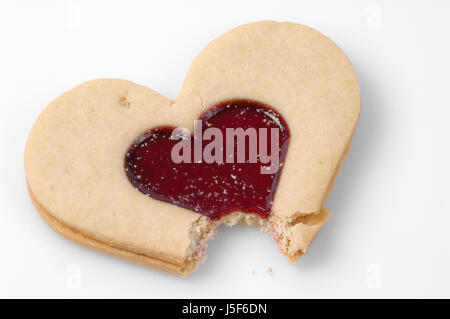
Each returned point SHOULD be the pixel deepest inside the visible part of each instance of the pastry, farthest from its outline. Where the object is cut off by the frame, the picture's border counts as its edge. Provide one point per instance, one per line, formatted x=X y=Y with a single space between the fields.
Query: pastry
x=97 y=159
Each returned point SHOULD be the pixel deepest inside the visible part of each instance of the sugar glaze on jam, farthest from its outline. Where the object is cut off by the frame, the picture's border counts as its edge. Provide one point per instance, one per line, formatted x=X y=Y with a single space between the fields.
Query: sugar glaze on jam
x=212 y=189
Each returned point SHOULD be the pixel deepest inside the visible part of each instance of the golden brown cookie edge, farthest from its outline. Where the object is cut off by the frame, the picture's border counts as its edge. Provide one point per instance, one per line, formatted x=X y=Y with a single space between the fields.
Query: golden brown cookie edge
x=79 y=238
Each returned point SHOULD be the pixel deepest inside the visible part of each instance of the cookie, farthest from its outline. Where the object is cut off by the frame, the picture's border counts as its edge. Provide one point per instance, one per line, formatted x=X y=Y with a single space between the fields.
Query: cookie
x=97 y=158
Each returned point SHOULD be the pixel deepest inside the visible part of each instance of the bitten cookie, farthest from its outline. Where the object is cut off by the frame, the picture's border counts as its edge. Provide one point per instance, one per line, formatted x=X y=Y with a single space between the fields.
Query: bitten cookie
x=97 y=172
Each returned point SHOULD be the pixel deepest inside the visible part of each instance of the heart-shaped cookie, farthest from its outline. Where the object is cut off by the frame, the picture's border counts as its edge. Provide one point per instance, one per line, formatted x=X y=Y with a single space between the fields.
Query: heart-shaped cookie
x=82 y=157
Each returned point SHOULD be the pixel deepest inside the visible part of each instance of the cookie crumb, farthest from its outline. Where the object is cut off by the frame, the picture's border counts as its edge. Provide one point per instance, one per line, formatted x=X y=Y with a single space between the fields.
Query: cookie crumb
x=123 y=101
x=270 y=271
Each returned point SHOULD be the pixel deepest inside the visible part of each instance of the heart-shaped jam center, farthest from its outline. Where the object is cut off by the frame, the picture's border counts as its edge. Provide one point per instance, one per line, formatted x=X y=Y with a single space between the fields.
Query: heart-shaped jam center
x=232 y=162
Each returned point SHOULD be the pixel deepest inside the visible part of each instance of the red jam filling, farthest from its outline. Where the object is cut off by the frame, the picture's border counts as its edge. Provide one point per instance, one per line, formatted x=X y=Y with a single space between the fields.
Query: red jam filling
x=220 y=187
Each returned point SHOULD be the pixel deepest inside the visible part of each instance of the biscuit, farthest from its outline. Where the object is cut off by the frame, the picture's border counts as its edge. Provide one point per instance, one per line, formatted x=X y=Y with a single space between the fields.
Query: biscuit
x=74 y=157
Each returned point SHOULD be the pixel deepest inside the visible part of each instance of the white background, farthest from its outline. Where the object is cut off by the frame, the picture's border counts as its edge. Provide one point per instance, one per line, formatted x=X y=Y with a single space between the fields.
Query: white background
x=390 y=229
